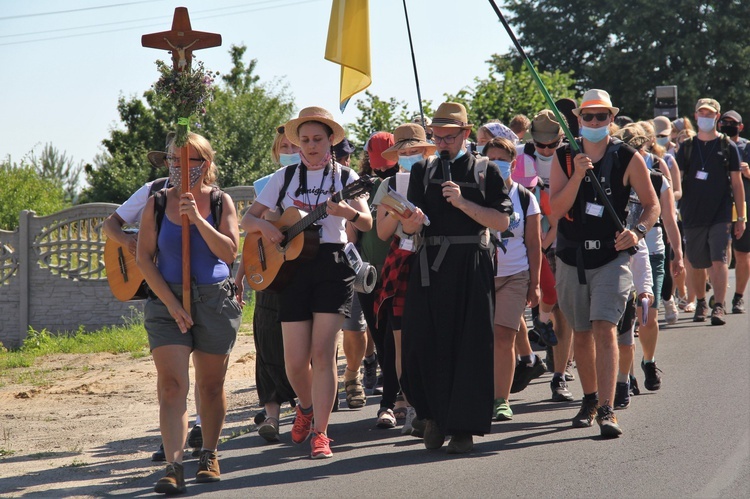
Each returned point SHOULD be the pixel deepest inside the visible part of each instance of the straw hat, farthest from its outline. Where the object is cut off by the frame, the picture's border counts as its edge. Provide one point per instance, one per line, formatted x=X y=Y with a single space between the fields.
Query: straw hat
x=408 y=136
x=158 y=159
x=451 y=115
x=596 y=98
x=633 y=135
x=314 y=113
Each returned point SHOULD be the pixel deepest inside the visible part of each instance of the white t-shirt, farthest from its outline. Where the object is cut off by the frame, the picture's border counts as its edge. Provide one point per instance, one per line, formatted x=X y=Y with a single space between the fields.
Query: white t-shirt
x=515 y=260
x=318 y=191
x=132 y=209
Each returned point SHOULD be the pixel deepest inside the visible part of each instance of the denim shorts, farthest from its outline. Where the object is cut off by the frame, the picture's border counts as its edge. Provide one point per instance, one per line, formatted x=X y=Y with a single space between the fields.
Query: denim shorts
x=657 y=274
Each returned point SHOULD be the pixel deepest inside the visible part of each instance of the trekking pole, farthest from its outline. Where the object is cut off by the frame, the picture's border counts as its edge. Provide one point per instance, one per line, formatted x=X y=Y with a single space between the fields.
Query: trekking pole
x=414 y=64
x=563 y=124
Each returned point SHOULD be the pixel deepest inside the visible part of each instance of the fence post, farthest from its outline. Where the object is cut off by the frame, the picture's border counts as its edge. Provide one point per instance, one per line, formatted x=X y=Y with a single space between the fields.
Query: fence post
x=25 y=257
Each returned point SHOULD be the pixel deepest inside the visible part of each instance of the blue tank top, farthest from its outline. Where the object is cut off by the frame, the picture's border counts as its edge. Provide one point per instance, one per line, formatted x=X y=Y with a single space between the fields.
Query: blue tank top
x=205 y=267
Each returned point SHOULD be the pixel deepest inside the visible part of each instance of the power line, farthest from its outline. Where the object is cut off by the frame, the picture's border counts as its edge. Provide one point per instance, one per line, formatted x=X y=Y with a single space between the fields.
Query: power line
x=73 y=10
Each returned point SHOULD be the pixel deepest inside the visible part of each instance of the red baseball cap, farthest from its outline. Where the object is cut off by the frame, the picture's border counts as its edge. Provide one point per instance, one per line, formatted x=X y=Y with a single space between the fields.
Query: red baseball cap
x=379 y=142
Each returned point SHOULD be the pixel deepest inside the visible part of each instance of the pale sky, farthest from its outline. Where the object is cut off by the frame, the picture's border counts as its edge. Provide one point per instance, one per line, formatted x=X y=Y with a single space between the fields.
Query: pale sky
x=64 y=71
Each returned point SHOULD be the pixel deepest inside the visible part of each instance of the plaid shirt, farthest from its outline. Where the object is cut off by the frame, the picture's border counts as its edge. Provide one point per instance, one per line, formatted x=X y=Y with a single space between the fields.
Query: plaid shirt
x=395 y=277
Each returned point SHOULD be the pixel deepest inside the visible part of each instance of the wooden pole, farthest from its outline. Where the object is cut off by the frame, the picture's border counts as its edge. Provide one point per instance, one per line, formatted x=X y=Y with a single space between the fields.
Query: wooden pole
x=185 y=170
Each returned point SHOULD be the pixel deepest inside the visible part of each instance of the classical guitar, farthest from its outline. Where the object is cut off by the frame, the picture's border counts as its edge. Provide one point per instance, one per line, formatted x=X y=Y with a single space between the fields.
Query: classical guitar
x=270 y=266
x=124 y=277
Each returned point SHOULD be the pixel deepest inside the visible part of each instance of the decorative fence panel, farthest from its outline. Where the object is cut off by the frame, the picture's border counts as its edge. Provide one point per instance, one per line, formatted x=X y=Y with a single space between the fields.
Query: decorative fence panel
x=52 y=273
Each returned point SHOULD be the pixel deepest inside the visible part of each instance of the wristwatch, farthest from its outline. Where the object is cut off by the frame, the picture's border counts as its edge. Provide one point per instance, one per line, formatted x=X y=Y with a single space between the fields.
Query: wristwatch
x=641 y=229
x=741 y=219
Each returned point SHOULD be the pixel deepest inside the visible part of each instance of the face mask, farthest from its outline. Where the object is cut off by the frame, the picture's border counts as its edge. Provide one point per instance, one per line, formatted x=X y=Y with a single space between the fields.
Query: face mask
x=460 y=153
x=504 y=168
x=730 y=130
x=175 y=175
x=289 y=159
x=543 y=159
x=479 y=148
x=706 y=124
x=407 y=162
x=662 y=141
x=386 y=173
x=594 y=134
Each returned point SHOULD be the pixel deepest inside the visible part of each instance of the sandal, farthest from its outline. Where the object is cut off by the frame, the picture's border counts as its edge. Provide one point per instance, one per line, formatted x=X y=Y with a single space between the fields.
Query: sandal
x=355 y=394
x=400 y=413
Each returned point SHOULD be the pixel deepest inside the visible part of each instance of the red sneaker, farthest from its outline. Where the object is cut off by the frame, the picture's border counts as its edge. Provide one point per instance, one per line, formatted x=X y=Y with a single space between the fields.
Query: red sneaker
x=302 y=426
x=321 y=446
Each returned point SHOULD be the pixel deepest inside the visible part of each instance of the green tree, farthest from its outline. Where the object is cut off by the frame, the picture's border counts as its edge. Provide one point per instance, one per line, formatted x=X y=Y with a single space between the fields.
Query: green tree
x=378 y=115
x=629 y=48
x=59 y=168
x=25 y=189
x=509 y=91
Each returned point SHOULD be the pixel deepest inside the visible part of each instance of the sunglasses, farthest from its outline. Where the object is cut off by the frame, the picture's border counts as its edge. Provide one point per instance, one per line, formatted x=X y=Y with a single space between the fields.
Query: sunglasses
x=280 y=129
x=599 y=116
x=551 y=145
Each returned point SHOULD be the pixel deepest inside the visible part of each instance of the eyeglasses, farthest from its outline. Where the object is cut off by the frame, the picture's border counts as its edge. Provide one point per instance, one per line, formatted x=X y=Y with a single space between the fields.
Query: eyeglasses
x=280 y=129
x=448 y=139
x=664 y=136
x=172 y=160
x=590 y=116
x=551 y=145
x=728 y=122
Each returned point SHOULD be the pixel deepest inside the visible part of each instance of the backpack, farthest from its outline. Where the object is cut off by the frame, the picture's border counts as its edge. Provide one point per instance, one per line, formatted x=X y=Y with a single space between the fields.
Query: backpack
x=687 y=148
x=289 y=175
x=605 y=173
x=480 y=171
x=160 y=206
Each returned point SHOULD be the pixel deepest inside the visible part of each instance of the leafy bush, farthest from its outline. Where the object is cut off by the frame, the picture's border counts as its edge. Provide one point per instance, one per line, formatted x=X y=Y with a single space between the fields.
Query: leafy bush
x=24 y=189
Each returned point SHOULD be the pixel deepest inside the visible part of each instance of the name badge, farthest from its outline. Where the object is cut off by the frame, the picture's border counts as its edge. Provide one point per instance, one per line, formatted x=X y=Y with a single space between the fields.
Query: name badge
x=406 y=244
x=595 y=210
x=701 y=175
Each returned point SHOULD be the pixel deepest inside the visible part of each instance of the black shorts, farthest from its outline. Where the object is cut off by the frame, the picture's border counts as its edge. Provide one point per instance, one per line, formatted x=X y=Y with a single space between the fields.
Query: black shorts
x=321 y=285
x=742 y=244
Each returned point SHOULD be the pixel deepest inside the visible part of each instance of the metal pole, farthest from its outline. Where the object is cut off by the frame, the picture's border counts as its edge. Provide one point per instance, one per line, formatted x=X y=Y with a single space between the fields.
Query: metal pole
x=414 y=64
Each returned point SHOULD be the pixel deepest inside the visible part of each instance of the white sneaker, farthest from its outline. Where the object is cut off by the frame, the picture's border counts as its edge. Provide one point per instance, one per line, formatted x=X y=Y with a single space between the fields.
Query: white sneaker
x=671 y=314
x=411 y=413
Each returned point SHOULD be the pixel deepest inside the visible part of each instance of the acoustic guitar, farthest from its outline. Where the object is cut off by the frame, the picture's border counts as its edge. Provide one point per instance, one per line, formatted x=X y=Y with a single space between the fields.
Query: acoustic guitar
x=270 y=266
x=124 y=278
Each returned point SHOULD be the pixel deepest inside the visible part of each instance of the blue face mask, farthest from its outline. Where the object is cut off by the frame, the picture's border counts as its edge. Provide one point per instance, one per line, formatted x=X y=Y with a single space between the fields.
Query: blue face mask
x=504 y=168
x=406 y=162
x=662 y=141
x=594 y=134
x=289 y=159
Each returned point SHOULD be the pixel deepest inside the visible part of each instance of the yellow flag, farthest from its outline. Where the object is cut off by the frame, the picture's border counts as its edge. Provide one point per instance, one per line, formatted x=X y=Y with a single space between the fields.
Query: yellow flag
x=349 y=45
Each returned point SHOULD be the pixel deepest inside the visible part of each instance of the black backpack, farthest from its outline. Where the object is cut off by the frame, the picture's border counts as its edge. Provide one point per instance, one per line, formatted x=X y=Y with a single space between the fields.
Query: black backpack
x=160 y=206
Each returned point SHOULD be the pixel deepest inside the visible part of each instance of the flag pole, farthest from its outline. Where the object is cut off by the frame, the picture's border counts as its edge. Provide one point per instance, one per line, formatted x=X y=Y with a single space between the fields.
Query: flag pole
x=563 y=124
x=414 y=64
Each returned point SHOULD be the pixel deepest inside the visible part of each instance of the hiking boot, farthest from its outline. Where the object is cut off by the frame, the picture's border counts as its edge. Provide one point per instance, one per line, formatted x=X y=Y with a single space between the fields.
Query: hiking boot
x=302 y=426
x=717 y=316
x=173 y=481
x=546 y=331
x=524 y=373
x=605 y=417
x=651 y=372
x=701 y=311
x=370 y=377
x=411 y=414
x=501 y=411
x=634 y=389
x=671 y=314
x=269 y=430
x=417 y=427
x=622 y=395
x=460 y=443
x=569 y=376
x=433 y=437
x=208 y=467
x=560 y=392
x=321 y=446
x=386 y=418
x=586 y=414
x=159 y=454
x=738 y=305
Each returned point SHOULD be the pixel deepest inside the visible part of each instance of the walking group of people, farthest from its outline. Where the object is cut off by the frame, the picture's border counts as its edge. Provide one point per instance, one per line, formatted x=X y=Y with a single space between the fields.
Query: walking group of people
x=583 y=233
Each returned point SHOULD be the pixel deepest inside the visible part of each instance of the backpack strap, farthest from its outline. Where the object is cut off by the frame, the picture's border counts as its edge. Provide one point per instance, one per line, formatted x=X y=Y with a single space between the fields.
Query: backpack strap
x=429 y=171
x=160 y=206
x=288 y=176
x=524 y=195
x=157 y=185
x=608 y=162
x=217 y=206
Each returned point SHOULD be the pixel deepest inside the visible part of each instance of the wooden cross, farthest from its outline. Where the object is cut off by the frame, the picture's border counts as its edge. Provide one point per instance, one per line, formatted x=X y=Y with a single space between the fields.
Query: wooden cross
x=181 y=41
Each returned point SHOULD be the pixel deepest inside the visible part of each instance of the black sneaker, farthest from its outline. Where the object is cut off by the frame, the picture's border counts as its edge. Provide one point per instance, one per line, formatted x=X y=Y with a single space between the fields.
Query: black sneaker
x=701 y=311
x=634 y=388
x=546 y=331
x=195 y=440
x=586 y=414
x=622 y=395
x=159 y=454
x=370 y=376
x=525 y=373
x=378 y=389
x=738 y=306
x=550 y=360
x=717 y=316
x=560 y=392
x=605 y=417
x=653 y=379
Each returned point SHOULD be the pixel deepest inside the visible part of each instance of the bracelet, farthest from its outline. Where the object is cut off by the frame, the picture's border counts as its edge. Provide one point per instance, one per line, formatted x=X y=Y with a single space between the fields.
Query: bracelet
x=355 y=218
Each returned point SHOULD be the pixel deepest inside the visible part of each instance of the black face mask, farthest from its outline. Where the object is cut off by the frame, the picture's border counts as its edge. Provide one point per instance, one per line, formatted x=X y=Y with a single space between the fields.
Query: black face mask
x=386 y=173
x=730 y=130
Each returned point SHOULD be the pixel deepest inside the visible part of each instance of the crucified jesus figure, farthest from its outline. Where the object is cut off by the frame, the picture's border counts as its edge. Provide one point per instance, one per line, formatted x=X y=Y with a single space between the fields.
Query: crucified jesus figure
x=181 y=62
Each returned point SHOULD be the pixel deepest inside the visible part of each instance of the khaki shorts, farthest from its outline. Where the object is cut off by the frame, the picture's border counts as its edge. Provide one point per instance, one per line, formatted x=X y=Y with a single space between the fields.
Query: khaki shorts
x=510 y=299
x=603 y=296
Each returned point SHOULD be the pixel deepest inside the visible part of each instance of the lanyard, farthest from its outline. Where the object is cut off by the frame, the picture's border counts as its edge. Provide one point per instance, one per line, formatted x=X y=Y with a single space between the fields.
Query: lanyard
x=700 y=153
x=320 y=189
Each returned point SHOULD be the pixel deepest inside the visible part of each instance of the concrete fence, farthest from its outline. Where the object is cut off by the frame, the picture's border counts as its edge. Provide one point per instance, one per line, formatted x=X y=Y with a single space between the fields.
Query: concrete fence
x=52 y=273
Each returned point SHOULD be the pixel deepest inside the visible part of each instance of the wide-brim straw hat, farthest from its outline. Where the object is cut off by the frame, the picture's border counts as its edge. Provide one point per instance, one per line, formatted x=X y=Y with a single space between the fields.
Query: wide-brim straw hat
x=596 y=98
x=408 y=136
x=158 y=159
x=451 y=115
x=291 y=128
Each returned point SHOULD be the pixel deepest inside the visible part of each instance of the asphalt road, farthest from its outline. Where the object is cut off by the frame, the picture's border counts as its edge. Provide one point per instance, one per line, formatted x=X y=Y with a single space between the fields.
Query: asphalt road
x=689 y=439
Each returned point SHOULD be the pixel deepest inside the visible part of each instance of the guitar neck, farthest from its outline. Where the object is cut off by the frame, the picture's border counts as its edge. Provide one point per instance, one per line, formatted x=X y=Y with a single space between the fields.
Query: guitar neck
x=310 y=218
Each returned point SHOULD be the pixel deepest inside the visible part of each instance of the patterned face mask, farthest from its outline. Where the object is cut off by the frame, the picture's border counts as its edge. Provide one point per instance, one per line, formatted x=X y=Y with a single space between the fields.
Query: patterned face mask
x=175 y=175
